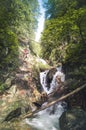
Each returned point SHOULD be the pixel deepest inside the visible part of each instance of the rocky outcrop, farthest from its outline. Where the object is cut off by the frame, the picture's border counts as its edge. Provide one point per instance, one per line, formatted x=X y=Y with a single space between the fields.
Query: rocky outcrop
x=75 y=77
x=74 y=119
x=14 y=104
x=49 y=76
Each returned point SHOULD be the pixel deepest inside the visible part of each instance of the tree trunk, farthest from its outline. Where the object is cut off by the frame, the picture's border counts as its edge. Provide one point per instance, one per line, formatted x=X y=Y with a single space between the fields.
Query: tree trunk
x=30 y=114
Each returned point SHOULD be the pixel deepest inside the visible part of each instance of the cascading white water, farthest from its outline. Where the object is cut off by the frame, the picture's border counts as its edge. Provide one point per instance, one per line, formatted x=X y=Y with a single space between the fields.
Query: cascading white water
x=46 y=120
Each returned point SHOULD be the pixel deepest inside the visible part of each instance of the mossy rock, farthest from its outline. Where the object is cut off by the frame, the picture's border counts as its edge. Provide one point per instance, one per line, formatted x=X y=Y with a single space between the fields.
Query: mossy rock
x=74 y=119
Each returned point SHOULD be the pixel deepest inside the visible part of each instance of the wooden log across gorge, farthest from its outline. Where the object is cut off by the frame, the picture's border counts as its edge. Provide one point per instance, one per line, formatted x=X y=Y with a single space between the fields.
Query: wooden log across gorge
x=30 y=114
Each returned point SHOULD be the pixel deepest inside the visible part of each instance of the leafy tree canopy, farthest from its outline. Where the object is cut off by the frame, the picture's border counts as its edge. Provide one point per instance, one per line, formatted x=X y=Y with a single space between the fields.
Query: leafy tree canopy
x=17 y=19
x=64 y=34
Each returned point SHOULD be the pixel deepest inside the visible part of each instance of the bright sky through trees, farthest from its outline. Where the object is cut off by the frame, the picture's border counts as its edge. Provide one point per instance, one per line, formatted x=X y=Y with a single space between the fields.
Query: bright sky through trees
x=40 y=21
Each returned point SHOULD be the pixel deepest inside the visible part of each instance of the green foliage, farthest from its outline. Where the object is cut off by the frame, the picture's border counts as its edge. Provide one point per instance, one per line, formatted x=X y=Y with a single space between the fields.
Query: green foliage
x=17 y=19
x=64 y=35
x=20 y=16
x=36 y=48
x=79 y=73
x=27 y=22
x=2 y=87
x=39 y=66
x=76 y=54
x=8 y=48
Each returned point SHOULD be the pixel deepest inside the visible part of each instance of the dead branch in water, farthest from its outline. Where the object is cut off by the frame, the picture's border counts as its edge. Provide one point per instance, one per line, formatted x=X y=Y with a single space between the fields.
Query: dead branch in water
x=54 y=102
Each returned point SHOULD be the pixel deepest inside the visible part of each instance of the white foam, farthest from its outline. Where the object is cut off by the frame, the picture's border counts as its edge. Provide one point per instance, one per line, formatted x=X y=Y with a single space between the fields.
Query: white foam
x=44 y=120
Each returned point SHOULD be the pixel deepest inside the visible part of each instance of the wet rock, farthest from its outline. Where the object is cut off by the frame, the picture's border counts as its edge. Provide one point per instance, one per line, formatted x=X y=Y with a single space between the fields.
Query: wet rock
x=13 y=114
x=74 y=119
x=49 y=76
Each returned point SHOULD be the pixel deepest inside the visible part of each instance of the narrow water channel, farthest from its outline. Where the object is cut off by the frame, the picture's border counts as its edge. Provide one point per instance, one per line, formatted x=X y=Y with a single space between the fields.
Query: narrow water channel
x=48 y=119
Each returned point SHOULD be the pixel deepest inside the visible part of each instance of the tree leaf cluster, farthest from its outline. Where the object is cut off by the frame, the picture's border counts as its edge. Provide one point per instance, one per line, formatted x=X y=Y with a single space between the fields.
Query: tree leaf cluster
x=64 y=36
x=18 y=19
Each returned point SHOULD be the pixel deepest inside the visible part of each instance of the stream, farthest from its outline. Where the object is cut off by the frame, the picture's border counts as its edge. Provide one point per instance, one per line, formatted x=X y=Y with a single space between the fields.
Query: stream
x=48 y=119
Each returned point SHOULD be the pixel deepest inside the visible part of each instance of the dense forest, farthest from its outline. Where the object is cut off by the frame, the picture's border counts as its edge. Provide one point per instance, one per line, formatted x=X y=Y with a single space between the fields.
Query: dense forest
x=61 y=50
x=64 y=37
x=18 y=19
x=62 y=40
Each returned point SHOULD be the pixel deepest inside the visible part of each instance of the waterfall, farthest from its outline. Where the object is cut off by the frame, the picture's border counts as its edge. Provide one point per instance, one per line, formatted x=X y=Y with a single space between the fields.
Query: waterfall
x=55 y=84
x=48 y=119
x=43 y=80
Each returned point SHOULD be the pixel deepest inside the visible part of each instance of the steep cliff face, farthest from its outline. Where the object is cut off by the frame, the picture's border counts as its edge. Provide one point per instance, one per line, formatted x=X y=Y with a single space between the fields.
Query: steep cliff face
x=75 y=77
x=75 y=116
x=17 y=92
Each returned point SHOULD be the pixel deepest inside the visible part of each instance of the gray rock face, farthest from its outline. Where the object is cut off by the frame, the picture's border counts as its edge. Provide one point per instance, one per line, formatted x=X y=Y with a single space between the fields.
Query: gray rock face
x=49 y=76
x=74 y=119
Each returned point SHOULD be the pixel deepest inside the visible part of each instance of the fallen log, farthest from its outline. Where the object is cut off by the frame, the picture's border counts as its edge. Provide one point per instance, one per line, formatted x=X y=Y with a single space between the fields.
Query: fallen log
x=30 y=114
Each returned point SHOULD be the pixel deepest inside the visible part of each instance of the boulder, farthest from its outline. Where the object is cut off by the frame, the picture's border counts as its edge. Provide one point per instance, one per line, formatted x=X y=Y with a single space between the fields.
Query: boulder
x=74 y=119
x=8 y=82
x=12 y=106
x=49 y=76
